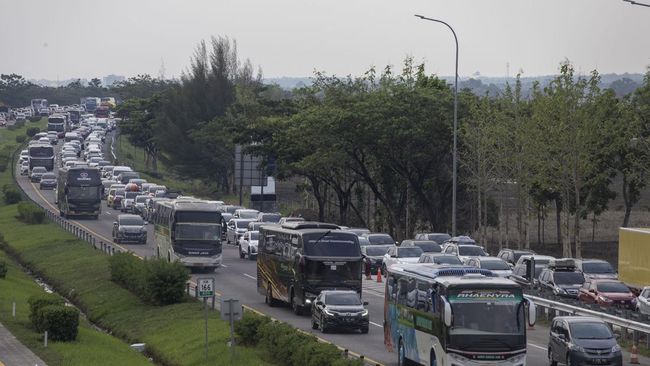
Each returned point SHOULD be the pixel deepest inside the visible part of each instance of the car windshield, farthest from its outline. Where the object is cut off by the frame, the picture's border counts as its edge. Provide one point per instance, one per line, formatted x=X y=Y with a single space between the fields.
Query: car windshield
x=470 y=251
x=447 y=259
x=495 y=265
x=342 y=299
x=255 y=235
x=48 y=176
x=119 y=192
x=519 y=254
x=248 y=214
x=439 y=238
x=242 y=224
x=487 y=312
x=568 y=278
x=597 y=267
x=429 y=247
x=141 y=199
x=197 y=231
x=381 y=239
x=588 y=330
x=414 y=252
x=132 y=221
x=39 y=169
x=132 y=194
x=376 y=251
x=271 y=217
x=615 y=287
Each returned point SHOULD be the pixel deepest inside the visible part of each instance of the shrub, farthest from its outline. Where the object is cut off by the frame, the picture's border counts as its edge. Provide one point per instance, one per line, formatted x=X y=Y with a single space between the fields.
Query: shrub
x=128 y=271
x=165 y=283
x=20 y=138
x=34 y=118
x=19 y=124
x=61 y=322
x=32 y=131
x=4 y=161
x=12 y=127
x=39 y=301
x=247 y=329
x=29 y=213
x=3 y=269
x=12 y=195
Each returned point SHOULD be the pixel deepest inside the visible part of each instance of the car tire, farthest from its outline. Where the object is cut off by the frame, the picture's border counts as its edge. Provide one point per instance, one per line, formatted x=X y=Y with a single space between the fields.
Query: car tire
x=551 y=361
x=314 y=325
x=241 y=254
x=323 y=328
x=250 y=256
x=568 y=360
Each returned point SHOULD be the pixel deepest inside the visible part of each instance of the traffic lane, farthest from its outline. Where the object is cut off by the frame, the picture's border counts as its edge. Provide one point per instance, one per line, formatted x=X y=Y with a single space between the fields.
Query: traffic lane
x=238 y=280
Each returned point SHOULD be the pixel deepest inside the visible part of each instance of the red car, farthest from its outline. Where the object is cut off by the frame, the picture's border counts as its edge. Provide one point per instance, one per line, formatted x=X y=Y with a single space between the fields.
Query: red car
x=607 y=293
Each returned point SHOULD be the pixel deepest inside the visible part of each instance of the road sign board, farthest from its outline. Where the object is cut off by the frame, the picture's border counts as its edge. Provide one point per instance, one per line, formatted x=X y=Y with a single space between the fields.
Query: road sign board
x=206 y=287
x=231 y=308
x=248 y=169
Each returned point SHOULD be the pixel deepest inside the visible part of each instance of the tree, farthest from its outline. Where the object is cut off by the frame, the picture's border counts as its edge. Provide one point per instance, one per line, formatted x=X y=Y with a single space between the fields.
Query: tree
x=95 y=83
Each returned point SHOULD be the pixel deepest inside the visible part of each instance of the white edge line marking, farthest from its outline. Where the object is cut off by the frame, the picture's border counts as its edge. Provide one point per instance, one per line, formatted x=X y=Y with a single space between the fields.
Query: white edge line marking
x=249 y=276
x=536 y=346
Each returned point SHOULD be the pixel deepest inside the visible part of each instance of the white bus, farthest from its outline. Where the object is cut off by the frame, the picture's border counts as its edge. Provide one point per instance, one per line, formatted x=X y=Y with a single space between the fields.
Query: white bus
x=188 y=231
x=454 y=315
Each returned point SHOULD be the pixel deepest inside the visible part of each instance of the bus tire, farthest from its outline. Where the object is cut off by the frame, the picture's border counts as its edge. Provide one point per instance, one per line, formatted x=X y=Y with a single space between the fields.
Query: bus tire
x=297 y=309
x=401 y=355
x=432 y=358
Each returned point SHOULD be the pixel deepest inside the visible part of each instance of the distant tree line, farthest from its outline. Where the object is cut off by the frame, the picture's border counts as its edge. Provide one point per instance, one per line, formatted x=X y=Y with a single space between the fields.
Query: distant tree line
x=16 y=91
x=384 y=139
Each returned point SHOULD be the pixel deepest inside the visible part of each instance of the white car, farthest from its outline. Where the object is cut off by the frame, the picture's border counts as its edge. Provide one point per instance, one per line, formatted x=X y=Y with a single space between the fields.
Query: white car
x=20 y=117
x=496 y=265
x=643 y=301
x=397 y=254
x=248 y=245
x=24 y=156
x=24 y=168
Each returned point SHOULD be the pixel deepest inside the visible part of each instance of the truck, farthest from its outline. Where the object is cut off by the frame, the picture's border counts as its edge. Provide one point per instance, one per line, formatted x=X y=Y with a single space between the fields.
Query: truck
x=90 y=103
x=633 y=257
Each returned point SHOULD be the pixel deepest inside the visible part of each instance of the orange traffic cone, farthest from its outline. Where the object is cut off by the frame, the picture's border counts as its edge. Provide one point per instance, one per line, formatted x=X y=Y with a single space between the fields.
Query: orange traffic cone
x=379 y=275
x=634 y=355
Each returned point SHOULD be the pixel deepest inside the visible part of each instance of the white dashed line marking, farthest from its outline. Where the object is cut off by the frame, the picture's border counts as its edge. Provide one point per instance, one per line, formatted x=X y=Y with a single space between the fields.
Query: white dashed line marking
x=249 y=276
x=536 y=346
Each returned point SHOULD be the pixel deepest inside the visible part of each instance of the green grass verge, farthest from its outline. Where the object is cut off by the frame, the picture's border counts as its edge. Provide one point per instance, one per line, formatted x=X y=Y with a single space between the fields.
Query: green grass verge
x=8 y=145
x=174 y=334
x=91 y=347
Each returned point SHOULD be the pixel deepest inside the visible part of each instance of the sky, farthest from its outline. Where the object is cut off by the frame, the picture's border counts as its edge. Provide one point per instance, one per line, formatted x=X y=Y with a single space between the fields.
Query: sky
x=62 y=39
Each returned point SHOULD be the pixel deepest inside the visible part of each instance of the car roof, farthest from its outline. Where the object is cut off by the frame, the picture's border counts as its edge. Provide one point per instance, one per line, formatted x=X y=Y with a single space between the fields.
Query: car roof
x=329 y=292
x=128 y=216
x=579 y=319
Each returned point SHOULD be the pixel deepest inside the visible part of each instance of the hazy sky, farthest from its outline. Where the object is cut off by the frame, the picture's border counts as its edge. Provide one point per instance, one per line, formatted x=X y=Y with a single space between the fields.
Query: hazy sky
x=69 y=38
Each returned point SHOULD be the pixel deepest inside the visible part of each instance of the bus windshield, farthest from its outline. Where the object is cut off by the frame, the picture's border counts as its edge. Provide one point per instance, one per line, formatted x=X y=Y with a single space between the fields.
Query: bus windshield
x=83 y=193
x=200 y=216
x=41 y=151
x=332 y=244
x=197 y=232
x=487 y=312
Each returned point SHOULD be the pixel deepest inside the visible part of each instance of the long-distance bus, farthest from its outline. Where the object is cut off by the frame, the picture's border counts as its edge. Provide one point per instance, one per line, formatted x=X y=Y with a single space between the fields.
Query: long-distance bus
x=437 y=315
x=188 y=231
x=75 y=116
x=39 y=105
x=57 y=122
x=90 y=103
x=297 y=260
x=41 y=155
x=78 y=192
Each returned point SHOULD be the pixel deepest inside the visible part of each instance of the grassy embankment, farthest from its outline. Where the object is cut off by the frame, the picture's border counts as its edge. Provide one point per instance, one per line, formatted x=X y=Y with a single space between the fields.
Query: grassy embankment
x=134 y=157
x=174 y=334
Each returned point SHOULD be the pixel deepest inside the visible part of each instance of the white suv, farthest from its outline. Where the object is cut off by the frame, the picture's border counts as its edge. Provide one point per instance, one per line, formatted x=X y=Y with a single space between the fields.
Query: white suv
x=248 y=245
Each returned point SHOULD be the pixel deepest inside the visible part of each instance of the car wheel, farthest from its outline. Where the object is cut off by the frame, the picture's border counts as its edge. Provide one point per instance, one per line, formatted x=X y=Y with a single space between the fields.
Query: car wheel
x=250 y=256
x=314 y=325
x=323 y=328
x=297 y=309
x=568 y=360
x=551 y=361
x=241 y=254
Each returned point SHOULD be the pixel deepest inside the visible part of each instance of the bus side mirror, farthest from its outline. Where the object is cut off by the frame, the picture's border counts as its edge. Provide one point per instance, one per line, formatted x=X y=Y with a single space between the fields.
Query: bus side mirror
x=532 y=314
x=447 y=314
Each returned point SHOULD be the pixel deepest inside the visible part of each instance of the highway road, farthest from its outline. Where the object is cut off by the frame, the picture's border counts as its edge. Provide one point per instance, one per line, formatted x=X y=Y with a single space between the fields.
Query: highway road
x=237 y=279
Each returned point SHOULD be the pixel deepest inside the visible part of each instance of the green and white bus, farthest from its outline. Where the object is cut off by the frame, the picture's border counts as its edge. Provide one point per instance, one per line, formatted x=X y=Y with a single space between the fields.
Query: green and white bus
x=454 y=316
x=188 y=231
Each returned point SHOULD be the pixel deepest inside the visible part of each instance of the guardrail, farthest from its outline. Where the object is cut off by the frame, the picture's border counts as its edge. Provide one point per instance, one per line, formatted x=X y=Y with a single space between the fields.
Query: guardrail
x=626 y=325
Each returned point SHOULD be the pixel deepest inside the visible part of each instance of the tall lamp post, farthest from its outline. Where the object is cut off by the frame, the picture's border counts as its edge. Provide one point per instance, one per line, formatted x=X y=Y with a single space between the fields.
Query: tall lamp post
x=455 y=151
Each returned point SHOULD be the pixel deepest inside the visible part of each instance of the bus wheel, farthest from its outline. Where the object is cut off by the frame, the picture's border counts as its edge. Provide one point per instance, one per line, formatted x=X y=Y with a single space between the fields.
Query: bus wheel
x=297 y=309
x=401 y=355
x=432 y=358
x=269 y=300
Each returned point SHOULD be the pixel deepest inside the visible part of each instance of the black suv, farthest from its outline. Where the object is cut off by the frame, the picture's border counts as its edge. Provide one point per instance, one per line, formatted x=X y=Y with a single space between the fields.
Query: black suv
x=129 y=228
x=512 y=255
x=562 y=280
x=339 y=309
x=580 y=340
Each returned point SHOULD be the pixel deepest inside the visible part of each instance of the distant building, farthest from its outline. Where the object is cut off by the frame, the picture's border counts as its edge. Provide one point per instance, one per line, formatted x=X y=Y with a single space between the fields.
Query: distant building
x=112 y=79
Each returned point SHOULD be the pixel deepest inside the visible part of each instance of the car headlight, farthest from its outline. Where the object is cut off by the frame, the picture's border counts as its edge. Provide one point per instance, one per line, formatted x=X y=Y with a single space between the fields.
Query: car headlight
x=575 y=347
x=364 y=313
x=328 y=312
x=616 y=348
x=604 y=299
x=560 y=290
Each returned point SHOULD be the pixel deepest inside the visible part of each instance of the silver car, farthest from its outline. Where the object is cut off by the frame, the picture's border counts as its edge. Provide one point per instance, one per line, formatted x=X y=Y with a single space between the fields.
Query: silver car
x=643 y=301
x=235 y=229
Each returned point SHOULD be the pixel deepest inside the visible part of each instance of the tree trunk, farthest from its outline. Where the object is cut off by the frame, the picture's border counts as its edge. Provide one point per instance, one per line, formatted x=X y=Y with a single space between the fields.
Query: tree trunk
x=626 y=200
x=500 y=226
x=479 y=213
x=539 y=225
x=566 y=243
x=558 y=219
x=527 y=222
x=578 y=215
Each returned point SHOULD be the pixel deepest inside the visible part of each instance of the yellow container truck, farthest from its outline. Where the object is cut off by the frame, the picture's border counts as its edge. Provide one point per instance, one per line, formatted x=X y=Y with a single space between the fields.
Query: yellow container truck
x=634 y=257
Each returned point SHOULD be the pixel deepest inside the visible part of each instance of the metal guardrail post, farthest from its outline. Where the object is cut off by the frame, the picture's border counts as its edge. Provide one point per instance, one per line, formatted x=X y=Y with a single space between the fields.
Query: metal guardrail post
x=112 y=250
x=187 y=288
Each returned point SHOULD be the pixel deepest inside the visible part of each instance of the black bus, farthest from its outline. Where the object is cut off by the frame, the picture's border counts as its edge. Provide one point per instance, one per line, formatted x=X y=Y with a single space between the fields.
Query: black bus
x=297 y=260
x=79 y=192
x=75 y=116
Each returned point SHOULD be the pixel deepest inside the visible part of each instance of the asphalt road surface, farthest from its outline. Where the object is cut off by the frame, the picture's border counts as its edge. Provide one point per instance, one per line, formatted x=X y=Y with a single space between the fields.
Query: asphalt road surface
x=237 y=279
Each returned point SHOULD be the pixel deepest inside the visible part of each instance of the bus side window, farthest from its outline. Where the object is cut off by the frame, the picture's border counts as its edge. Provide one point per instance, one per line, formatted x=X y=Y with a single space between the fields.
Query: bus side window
x=423 y=299
x=433 y=300
x=392 y=288
x=402 y=291
x=412 y=294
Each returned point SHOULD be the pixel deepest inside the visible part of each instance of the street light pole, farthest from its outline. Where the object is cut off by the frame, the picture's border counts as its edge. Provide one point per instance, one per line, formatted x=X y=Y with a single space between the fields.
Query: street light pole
x=455 y=149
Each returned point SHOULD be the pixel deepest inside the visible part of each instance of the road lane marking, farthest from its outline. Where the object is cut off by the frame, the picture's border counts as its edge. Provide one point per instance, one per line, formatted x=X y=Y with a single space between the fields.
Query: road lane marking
x=251 y=277
x=378 y=325
x=536 y=346
x=224 y=266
